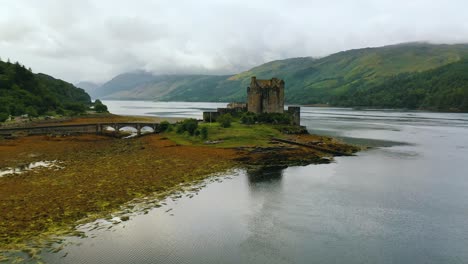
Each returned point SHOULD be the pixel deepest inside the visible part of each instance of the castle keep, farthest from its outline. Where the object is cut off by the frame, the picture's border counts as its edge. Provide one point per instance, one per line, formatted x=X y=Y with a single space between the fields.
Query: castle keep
x=265 y=96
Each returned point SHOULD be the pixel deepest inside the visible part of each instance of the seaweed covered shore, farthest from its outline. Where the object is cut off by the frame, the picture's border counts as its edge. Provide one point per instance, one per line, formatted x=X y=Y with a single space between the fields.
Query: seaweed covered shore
x=94 y=175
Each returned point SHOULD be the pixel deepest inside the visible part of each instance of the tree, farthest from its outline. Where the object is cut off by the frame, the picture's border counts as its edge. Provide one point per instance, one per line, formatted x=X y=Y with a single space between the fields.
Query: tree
x=188 y=125
x=76 y=108
x=3 y=116
x=248 y=118
x=100 y=107
x=274 y=118
x=164 y=126
x=204 y=132
x=225 y=120
x=31 y=111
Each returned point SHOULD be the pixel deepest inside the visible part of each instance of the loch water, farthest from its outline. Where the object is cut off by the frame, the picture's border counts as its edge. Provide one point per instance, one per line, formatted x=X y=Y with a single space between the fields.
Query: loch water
x=405 y=200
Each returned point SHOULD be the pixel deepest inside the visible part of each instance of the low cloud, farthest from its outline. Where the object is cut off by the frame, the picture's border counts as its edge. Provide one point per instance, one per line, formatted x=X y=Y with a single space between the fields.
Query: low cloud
x=95 y=40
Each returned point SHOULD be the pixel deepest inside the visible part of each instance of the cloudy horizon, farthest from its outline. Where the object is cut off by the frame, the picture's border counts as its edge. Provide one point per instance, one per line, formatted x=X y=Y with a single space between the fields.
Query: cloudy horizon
x=96 y=40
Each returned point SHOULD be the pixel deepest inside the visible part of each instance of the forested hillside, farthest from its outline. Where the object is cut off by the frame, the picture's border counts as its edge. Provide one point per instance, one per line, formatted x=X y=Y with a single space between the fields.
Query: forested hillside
x=310 y=81
x=444 y=88
x=23 y=92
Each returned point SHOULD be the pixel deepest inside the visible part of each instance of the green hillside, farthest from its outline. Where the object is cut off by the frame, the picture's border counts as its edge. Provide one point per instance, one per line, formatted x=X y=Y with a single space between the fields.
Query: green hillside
x=311 y=81
x=308 y=80
x=444 y=88
x=22 y=92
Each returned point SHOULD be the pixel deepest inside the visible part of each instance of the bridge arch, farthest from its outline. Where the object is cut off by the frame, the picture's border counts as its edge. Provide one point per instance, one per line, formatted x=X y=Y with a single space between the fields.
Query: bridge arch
x=147 y=129
x=108 y=128
x=129 y=129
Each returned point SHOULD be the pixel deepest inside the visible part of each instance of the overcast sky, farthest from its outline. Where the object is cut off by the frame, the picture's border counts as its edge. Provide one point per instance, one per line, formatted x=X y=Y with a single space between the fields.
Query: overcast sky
x=78 y=40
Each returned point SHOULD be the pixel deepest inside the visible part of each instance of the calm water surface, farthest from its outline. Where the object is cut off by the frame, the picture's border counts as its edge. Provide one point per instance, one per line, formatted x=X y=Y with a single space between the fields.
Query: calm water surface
x=405 y=201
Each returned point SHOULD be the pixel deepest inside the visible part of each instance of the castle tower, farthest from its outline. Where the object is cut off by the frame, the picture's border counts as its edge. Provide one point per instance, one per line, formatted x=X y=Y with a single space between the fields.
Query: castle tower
x=265 y=96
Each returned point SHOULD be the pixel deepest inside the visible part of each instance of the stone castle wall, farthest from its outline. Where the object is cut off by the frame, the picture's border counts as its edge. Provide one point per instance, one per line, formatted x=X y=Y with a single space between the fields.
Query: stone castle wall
x=265 y=96
x=295 y=113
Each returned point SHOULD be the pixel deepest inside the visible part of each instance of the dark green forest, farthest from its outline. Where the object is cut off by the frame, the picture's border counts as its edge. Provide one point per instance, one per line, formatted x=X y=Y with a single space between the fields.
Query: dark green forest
x=23 y=92
x=442 y=89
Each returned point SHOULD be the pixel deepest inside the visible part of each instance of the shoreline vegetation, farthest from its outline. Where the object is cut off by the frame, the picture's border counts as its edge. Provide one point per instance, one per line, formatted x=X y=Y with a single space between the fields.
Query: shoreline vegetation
x=96 y=174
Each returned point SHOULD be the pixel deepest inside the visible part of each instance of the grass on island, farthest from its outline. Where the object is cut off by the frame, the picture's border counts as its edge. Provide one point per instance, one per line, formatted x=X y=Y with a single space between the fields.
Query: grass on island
x=235 y=136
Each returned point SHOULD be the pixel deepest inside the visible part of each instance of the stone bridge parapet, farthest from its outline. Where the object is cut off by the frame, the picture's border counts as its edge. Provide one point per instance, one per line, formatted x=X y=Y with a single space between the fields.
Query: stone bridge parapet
x=93 y=128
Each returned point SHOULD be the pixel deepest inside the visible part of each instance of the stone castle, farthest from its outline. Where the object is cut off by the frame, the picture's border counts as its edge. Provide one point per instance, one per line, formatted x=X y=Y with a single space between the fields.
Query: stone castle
x=265 y=96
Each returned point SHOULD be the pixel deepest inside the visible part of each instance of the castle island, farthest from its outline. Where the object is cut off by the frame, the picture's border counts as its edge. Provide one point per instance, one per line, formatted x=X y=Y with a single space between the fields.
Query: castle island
x=263 y=96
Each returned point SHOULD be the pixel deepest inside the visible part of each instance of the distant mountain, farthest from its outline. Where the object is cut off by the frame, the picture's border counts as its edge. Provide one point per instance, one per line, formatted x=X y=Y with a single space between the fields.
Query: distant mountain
x=308 y=81
x=88 y=86
x=146 y=86
x=23 y=92
x=123 y=82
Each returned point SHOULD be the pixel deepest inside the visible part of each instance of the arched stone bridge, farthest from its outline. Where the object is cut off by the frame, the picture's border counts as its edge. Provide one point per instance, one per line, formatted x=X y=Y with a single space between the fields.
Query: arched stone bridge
x=96 y=128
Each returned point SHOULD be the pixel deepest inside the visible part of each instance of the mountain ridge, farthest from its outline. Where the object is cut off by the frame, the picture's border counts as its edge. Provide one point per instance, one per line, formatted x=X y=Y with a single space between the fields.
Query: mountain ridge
x=308 y=80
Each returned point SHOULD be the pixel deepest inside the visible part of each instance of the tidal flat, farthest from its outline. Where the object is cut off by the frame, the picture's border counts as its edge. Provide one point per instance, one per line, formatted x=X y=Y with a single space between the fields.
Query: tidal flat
x=99 y=174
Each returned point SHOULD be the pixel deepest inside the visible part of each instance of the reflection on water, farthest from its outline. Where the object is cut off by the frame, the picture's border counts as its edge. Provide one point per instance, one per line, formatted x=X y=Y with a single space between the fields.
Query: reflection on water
x=265 y=174
x=396 y=203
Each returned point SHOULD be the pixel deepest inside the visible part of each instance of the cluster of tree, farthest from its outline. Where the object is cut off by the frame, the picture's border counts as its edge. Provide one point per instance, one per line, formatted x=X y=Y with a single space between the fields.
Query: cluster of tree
x=440 y=89
x=266 y=118
x=23 y=92
x=100 y=107
x=225 y=120
x=189 y=126
x=249 y=118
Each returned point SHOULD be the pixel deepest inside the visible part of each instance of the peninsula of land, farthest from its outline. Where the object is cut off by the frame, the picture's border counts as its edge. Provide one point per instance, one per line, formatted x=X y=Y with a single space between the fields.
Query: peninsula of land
x=92 y=176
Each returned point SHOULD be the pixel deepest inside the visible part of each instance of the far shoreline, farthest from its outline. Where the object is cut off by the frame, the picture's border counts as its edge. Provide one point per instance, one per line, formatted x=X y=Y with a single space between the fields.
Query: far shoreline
x=357 y=108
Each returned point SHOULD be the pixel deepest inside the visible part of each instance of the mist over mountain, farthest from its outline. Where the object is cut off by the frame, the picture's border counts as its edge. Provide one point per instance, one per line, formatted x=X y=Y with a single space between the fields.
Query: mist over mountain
x=308 y=80
x=96 y=40
x=123 y=82
x=87 y=86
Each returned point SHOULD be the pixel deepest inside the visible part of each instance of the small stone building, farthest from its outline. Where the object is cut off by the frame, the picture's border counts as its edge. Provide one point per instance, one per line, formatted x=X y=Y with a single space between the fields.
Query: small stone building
x=265 y=96
x=238 y=105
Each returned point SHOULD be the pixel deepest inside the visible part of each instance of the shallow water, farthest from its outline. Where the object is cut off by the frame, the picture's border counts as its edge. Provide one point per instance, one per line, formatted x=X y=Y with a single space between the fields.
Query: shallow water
x=405 y=201
x=30 y=166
